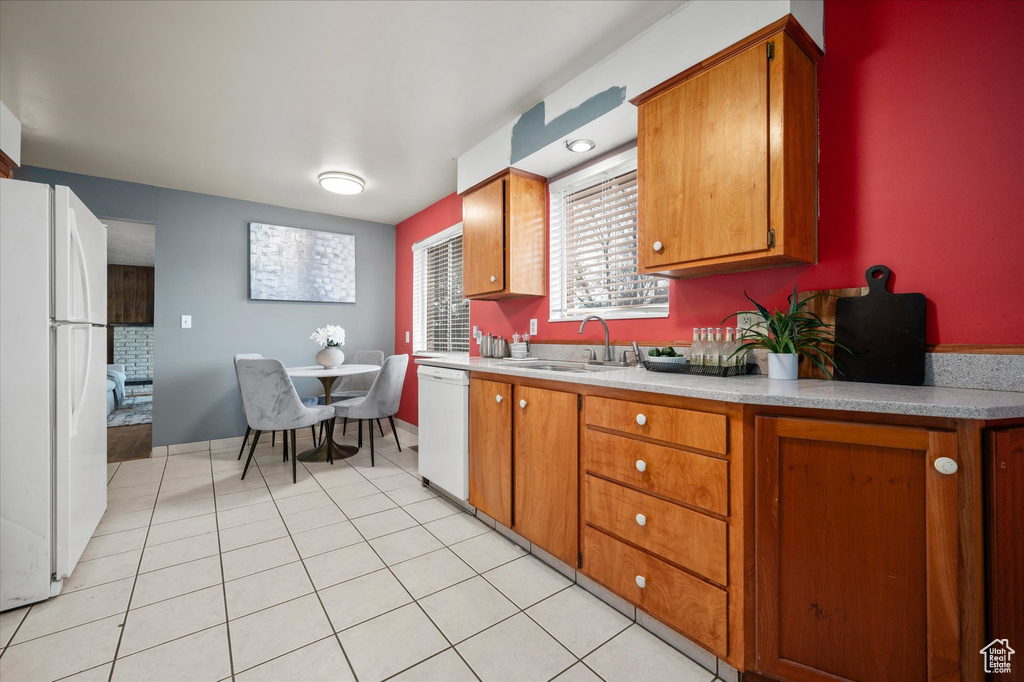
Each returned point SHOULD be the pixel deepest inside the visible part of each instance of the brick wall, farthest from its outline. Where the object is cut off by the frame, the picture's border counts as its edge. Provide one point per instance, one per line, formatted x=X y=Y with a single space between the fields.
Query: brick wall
x=133 y=348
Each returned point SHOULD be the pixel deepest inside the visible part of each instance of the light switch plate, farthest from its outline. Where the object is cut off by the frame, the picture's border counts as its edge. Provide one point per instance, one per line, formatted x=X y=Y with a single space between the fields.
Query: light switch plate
x=533 y=326
x=186 y=321
x=407 y=337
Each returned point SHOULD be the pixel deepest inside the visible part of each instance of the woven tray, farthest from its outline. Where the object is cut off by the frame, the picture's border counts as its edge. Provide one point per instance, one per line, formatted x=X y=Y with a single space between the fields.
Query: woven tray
x=700 y=370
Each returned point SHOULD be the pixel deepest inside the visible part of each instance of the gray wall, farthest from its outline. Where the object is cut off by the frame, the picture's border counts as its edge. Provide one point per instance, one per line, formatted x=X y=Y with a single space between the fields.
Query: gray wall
x=202 y=269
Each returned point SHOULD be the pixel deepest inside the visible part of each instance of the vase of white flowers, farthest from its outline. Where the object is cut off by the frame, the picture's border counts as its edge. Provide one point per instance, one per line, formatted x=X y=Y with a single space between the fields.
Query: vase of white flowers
x=331 y=338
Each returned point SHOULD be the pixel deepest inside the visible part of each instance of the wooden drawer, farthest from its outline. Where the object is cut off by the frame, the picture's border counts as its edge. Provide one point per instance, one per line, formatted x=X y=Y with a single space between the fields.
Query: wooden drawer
x=690 y=605
x=697 y=480
x=700 y=430
x=683 y=536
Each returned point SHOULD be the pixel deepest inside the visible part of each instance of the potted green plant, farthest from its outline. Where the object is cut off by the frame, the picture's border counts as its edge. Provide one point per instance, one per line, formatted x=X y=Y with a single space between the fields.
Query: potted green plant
x=787 y=334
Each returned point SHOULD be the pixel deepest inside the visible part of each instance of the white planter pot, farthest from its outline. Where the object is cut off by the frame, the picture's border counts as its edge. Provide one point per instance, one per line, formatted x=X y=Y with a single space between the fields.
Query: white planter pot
x=782 y=366
x=330 y=357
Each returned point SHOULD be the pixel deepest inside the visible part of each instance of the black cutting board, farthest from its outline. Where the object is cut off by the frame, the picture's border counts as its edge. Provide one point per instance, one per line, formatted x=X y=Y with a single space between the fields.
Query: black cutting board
x=884 y=332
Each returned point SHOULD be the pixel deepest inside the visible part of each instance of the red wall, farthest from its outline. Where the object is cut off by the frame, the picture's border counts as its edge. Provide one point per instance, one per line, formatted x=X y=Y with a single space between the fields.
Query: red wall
x=921 y=169
x=431 y=220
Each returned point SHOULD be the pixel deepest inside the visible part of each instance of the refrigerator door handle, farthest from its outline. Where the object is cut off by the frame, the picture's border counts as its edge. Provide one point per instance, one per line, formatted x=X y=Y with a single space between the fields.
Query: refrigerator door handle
x=76 y=408
x=76 y=241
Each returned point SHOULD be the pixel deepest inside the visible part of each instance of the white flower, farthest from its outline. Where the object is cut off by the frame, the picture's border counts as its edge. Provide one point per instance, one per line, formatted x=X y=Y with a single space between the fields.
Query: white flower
x=331 y=335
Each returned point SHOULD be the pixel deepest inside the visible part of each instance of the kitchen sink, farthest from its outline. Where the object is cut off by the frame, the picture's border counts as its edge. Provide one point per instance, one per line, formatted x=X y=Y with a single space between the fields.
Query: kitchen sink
x=572 y=369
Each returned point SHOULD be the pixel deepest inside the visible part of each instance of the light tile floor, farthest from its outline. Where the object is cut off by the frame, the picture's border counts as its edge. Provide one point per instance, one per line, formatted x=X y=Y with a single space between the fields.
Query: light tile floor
x=353 y=573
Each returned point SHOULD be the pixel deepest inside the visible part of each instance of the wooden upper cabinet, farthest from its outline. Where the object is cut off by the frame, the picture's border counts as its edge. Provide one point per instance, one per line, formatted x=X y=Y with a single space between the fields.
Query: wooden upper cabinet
x=727 y=159
x=546 y=466
x=503 y=237
x=857 y=551
x=490 y=449
x=130 y=294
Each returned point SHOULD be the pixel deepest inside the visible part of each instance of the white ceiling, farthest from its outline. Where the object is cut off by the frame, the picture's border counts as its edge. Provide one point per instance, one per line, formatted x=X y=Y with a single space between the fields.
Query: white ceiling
x=253 y=100
x=130 y=243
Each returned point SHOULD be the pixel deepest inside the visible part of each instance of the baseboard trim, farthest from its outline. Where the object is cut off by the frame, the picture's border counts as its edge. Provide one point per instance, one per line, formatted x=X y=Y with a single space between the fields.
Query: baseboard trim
x=406 y=426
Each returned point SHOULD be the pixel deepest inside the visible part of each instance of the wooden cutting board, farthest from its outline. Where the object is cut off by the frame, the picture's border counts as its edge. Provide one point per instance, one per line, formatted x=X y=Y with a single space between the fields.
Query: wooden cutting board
x=824 y=306
x=884 y=332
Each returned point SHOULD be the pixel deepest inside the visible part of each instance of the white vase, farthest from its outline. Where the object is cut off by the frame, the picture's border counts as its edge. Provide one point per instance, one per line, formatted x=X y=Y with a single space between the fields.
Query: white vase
x=330 y=357
x=782 y=366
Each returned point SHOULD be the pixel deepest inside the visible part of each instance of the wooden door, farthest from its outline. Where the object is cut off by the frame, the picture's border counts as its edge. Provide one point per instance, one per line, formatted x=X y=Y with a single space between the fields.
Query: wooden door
x=856 y=552
x=704 y=164
x=483 y=240
x=490 y=449
x=1004 y=545
x=546 y=465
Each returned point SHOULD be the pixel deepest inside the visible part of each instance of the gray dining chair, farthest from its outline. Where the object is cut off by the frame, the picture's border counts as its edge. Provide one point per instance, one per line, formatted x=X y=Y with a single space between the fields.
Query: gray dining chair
x=272 y=404
x=382 y=400
x=308 y=402
x=356 y=385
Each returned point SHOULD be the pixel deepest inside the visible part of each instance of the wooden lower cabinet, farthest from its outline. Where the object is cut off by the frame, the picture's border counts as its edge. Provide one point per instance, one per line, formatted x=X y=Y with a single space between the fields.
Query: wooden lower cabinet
x=490 y=448
x=546 y=470
x=793 y=544
x=1004 y=542
x=856 y=552
x=689 y=604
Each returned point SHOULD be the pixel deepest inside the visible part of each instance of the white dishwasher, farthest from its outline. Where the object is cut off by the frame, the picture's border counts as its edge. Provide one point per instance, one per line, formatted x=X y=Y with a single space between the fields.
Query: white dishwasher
x=444 y=429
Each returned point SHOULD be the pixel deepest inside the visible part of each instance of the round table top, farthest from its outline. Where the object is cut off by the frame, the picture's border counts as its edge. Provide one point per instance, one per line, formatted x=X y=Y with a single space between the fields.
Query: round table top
x=316 y=371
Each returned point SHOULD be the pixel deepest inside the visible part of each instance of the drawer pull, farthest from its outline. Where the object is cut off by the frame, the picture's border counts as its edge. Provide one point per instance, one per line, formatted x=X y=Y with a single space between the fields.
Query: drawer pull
x=522 y=403
x=641 y=465
x=641 y=582
x=497 y=398
x=946 y=465
x=641 y=520
x=641 y=419
x=493 y=278
x=657 y=246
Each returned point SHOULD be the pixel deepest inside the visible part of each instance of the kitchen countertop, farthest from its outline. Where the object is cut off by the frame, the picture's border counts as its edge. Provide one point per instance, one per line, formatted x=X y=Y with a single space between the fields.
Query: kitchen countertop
x=924 y=401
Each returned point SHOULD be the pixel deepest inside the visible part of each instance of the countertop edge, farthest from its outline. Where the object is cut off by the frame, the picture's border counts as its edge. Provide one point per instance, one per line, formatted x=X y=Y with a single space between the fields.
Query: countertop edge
x=1011 y=407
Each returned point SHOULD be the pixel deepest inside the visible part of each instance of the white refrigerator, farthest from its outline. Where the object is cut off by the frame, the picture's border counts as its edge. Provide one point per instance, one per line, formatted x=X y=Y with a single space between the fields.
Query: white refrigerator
x=53 y=435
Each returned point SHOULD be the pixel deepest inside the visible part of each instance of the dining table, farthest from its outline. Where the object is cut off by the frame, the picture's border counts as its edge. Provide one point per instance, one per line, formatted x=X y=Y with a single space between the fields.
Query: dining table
x=327 y=377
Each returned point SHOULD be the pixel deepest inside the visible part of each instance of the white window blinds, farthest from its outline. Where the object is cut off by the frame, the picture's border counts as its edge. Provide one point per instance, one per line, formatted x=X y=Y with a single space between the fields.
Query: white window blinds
x=440 y=313
x=594 y=246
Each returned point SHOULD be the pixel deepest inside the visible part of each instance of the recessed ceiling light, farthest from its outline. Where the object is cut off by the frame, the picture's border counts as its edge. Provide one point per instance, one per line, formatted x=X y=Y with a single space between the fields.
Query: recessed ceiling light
x=341 y=183
x=580 y=146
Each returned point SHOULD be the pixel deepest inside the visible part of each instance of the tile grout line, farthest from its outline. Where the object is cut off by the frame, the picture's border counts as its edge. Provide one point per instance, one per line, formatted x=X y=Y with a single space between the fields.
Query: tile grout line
x=135 y=581
x=304 y=567
x=220 y=561
x=386 y=566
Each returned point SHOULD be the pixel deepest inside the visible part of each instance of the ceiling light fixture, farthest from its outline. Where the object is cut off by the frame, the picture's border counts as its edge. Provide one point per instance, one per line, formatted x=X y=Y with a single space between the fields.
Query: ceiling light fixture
x=580 y=146
x=341 y=183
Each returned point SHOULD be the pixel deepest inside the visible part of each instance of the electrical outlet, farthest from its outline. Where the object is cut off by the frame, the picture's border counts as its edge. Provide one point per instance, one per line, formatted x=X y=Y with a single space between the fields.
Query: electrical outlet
x=533 y=326
x=407 y=337
x=186 y=321
x=750 y=321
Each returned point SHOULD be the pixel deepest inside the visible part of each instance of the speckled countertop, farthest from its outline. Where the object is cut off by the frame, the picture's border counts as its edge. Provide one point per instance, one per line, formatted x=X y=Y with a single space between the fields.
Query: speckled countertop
x=925 y=401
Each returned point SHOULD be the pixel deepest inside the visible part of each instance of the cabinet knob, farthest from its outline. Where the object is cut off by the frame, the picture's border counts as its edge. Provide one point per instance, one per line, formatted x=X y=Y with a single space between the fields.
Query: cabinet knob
x=641 y=465
x=946 y=466
x=641 y=419
x=493 y=278
x=641 y=520
x=657 y=246
x=641 y=582
x=497 y=398
x=522 y=403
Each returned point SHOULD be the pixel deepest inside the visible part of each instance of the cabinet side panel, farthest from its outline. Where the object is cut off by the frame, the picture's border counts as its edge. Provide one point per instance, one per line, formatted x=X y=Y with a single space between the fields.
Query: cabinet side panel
x=526 y=236
x=483 y=239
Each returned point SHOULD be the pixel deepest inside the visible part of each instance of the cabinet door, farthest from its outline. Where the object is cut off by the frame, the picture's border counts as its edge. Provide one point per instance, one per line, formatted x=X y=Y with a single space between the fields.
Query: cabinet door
x=856 y=552
x=483 y=240
x=1004 y=547
x=546 y=464
x=490 y=449
x=704 y=164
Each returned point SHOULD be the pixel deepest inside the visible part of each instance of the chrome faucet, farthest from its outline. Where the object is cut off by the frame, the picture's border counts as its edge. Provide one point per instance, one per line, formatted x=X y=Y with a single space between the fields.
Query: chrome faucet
x=607 y=345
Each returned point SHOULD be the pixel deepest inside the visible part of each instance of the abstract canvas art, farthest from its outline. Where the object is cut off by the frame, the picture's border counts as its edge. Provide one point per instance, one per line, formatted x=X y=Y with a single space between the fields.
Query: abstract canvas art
x=292 y=264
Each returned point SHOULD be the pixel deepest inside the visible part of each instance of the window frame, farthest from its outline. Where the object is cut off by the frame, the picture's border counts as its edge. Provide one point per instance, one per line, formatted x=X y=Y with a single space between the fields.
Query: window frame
x=419 y=311
x=588 y=176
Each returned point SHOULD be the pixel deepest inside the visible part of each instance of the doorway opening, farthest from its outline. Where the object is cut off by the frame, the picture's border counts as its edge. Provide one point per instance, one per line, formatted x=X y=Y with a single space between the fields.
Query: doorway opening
x=131 y=262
